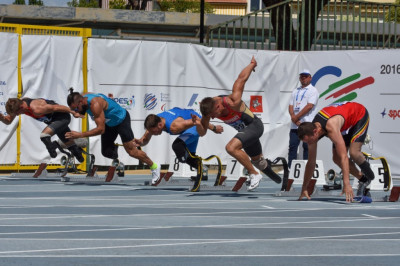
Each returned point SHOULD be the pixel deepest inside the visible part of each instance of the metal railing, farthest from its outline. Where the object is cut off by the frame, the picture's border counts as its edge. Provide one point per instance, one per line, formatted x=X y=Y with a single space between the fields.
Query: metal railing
x=296 y=25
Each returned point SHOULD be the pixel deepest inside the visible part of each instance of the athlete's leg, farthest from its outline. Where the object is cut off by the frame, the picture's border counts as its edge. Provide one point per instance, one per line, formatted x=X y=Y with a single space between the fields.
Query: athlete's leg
x=45 y=137
x=234 y=148
x=352 y=167
x=108 y=147
x=357 y=156
x=181 y=152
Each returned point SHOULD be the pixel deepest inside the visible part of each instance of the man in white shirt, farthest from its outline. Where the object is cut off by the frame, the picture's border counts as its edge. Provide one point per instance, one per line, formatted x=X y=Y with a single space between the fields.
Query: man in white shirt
x=302 y=108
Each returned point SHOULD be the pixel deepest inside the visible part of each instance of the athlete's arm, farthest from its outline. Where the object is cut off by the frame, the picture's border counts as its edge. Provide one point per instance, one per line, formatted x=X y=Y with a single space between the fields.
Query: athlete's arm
x=216 y=129
x=310 y=167
x=7 y=119
x=235 y=99
x=333 y=132
x=97 y=106
x=202 y=124
x=40 y=107
x=144 y=140
x=179 y=124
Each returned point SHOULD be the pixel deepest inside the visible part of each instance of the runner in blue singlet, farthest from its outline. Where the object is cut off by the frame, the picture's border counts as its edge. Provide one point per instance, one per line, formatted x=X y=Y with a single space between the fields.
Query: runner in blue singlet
x=111 y=120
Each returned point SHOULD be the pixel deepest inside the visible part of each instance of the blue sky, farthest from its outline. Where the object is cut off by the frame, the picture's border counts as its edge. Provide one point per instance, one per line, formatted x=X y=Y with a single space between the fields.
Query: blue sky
x=45 y=2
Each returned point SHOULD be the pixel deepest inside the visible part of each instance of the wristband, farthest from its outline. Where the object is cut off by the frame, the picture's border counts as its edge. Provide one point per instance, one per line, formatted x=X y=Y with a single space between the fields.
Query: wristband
x=214 y=129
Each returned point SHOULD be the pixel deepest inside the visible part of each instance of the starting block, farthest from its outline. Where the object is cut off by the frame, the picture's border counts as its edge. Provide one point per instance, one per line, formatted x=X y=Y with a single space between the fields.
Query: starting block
x=41 y=173
x=376 y=196
x=111 y=177
x=296 y=176
x=219 y=185
x=292 y=192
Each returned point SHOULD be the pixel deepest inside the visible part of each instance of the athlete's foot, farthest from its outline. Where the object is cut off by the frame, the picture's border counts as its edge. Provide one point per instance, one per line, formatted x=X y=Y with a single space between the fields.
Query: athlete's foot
x=77 y=152
x=362 y=188
x=51 y=148
x=271 y=174
x=155 y=173
x=254 y=181
x=197 y=181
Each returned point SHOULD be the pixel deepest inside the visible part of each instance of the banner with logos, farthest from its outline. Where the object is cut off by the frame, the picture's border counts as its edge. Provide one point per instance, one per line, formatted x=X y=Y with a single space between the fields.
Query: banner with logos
x=50 y=66
x=371 y=78
x=8 y=89
x=151 y=77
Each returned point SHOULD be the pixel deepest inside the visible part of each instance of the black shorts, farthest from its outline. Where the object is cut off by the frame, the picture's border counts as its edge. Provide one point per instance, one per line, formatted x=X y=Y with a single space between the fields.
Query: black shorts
x=124 y=130
x=250 y=137
x=59 y=124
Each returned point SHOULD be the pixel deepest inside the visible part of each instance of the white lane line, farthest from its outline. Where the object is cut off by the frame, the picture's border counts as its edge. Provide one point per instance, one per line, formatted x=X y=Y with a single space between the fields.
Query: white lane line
x=204 y=256
x=191 y=214
x=129 y=246
x=268 y=207
x=371 y=216
x=254 y=225
x=336 y=236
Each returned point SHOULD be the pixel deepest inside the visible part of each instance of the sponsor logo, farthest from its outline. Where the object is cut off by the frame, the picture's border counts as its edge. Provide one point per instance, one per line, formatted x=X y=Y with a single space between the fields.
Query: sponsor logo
x=394 y=113
x=256 y=105
x=150 y=101
x=164 y=107
x=344 y=89
x=165 y=97
x=383 y=112
x=192 y=100
x=124 y=102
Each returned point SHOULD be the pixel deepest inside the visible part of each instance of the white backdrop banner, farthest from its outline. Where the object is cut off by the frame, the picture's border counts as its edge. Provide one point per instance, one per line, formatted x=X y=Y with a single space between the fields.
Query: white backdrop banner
x=8 y=89
x=50 y=65
x=371 y=78
x=150 y=77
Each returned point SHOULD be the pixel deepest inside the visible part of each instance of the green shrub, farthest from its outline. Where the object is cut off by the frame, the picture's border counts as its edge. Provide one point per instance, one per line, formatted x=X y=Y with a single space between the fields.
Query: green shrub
x=391 y=15
x=117 y=4
x=83 y=3
x=187 y=6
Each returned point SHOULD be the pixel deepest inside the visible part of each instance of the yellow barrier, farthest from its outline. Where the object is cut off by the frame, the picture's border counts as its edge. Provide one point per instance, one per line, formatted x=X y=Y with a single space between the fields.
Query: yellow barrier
x=44 y=30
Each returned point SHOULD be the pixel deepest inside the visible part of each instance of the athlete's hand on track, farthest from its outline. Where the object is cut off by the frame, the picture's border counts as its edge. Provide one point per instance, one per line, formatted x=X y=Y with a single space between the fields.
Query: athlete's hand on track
x=348 y=191
x=304 y=193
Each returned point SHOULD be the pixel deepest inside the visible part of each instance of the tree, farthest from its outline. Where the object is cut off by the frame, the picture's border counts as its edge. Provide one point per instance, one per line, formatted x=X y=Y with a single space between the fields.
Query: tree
x=35 y=2
x=281 y=17
x=19 y=2
x=117 y=4
x=393 y=11
x=192 y=6
x=84 y=3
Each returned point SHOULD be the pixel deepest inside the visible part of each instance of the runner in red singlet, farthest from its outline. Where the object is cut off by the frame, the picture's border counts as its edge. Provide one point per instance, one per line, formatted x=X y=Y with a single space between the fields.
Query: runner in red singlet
x=56 y=117
x=346 y=125
x=246 y=143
